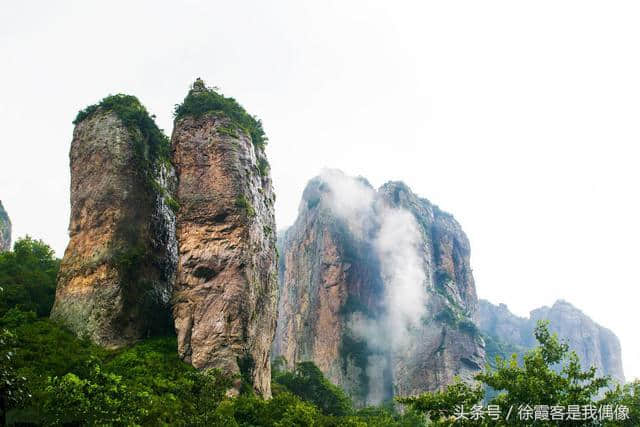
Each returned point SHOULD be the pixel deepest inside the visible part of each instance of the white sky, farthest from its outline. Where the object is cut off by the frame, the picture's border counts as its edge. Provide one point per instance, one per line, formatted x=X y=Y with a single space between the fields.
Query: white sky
x=520 y=118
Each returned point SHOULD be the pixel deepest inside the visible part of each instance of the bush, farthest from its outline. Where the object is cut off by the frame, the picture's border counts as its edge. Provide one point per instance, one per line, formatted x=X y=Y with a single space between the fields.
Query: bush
x=308 y=383
x=28 y=277
x=150 y=141
x=202 y=100
x=243 y=203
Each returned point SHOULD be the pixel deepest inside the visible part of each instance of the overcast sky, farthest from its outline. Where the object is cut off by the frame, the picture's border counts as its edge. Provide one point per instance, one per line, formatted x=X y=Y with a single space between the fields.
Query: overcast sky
x=520 y=118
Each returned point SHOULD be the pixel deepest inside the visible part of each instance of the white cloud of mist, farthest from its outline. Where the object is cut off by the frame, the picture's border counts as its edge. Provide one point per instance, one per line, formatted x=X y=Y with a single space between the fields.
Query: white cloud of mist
x=350 y=199
x=396 y=242
x=403 y=273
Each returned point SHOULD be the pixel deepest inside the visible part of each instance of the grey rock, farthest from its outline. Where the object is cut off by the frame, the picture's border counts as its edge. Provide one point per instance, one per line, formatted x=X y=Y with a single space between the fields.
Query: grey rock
x=595 y=345
x=5 y=230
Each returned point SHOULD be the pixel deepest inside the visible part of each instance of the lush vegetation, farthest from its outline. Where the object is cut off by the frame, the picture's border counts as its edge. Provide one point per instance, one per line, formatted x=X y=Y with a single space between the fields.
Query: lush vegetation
x=28 y=277
x=50 y=377
x=549 y=376
x=202 y=100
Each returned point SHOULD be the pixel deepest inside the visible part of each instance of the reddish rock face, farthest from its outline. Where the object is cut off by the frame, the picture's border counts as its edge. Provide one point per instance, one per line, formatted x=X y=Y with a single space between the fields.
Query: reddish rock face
x=115 y=278
x=225 y=294
x=376 y=289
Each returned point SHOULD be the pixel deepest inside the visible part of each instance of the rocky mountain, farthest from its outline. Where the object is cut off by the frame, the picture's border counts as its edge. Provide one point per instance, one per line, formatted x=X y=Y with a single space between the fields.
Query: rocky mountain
x=595 y=345
x=133 y=268
x=226 y=289
x=5 y=230
x=376 y=288
x=116 y=276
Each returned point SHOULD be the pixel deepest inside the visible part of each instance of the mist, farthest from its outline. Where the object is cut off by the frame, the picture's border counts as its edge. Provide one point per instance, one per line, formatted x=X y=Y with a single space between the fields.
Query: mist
x=395 y=237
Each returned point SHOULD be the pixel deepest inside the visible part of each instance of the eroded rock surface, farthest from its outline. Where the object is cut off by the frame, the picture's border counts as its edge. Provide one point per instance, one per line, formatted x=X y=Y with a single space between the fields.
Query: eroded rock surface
x=5 y=230
x=114 y=285
x=377 y=290
x=226 y=289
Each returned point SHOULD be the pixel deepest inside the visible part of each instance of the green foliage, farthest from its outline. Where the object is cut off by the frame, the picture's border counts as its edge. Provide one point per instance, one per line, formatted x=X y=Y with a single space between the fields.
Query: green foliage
x=549 y=375
x=467 y=325
x=166 y=390
x=151 y=143
x=308 y=383
x=99 y=399
x=28 y=277
x=537 y=379
x=243 y=203
x=202 y=100
x=173 y=204
x=447 y=315
x=442 y=279
x=13 y=386
x=625 y=395
x=263 y=166
x=440 y=405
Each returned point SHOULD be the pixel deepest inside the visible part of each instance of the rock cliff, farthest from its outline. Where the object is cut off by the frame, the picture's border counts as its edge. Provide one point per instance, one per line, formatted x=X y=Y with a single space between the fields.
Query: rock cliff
x=225 y=294
x=5 y=230
x=595 y=345
x=377 y=290
x=114 y=285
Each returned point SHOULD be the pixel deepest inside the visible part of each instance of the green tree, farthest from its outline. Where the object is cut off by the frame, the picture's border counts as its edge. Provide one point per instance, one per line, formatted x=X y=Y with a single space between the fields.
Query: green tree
x=101 y=399
x=308 y=383
x=13 y=390
x=627 y=395
x=440 y=406
x=549 y=375
x=28 y=276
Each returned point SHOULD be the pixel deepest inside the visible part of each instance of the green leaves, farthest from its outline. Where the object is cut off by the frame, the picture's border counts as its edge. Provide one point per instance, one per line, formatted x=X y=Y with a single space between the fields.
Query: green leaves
x=28 y=277
x=202 y=100
x=308 y=383
x=441 y=404
x=549 y=375
x=151 y=145
x=100 y=399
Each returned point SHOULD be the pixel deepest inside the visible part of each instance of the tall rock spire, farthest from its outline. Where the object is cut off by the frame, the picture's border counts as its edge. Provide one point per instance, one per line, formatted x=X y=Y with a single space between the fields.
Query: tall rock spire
x=114 y=285
x=225 y=294
x=5 y=230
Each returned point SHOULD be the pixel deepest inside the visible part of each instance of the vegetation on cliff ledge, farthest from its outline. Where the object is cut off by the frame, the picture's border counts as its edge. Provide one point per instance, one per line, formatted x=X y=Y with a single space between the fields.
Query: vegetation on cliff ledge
x=202 y=100
x=150 y=139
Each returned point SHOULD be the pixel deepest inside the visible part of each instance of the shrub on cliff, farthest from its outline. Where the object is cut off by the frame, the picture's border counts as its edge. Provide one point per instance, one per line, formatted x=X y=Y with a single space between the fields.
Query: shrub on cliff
x=152 y=144
x=202 y=100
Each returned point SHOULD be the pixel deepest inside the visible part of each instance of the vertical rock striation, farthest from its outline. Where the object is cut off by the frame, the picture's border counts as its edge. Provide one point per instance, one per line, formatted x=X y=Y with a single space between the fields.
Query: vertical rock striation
x=595 y=345
x=377 y=290
x=5 y=230
x=114 y=285
x=225 y=294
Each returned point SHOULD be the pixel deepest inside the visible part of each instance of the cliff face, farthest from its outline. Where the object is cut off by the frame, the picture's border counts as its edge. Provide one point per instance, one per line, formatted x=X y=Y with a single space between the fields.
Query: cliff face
x=377 y=290
x=225 y=294
x=595 y=345
x=5 y=230
x=114 y=284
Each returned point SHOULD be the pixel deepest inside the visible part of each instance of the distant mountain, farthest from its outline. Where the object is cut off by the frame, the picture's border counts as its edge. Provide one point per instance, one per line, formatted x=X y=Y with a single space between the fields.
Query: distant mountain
x=505 y=333
x=5 y=230
x=377 y=290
